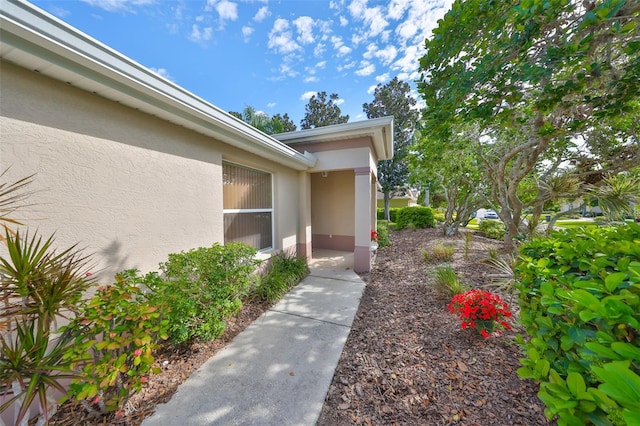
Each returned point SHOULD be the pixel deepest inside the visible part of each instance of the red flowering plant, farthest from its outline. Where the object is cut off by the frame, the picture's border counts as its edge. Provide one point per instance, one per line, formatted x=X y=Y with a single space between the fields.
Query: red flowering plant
x=374 y=236
x=481 y=310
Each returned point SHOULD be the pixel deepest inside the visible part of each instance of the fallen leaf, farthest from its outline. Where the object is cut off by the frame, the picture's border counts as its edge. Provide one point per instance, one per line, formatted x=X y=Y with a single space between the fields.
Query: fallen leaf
x=344 y=406
x=462 y=366
x=291 y=373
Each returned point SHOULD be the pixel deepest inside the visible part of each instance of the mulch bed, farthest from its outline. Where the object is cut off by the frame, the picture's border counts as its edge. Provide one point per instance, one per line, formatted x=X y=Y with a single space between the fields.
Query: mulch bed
x=406 y=361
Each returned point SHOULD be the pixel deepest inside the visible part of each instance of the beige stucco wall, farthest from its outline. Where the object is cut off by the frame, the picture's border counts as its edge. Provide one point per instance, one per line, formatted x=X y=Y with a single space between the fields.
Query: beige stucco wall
x=333 y=203
x=127 y=186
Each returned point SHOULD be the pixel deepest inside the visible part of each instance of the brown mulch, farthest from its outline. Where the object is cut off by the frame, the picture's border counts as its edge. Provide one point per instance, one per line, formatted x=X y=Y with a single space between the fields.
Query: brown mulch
x=406 y=361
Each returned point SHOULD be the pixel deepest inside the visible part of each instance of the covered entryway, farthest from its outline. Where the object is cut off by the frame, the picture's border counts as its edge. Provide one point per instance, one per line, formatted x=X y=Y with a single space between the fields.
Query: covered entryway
x=338 y=195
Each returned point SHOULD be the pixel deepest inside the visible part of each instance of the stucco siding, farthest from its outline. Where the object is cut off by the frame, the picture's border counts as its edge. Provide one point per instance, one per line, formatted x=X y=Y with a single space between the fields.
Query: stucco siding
x=332 y=207
x=129 y=187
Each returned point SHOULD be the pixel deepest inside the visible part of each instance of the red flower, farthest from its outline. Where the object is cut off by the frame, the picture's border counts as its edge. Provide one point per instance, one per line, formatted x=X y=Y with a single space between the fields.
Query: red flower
x=481 y=310
x=137 y=352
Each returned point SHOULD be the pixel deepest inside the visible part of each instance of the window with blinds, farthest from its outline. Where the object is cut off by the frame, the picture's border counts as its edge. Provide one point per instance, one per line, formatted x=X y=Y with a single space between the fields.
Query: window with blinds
x=248 y=205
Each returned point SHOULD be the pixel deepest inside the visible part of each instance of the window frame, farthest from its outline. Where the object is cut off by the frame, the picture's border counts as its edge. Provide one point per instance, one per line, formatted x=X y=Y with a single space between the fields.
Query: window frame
x=270 y=210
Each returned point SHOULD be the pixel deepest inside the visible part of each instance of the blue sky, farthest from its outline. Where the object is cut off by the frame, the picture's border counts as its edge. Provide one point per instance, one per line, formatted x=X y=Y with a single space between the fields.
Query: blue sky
x=271 y=55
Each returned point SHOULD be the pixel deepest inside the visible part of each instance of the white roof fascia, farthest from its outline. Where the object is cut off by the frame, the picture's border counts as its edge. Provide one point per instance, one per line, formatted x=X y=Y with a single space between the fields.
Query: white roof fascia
x=379 y=129
x=36 y=40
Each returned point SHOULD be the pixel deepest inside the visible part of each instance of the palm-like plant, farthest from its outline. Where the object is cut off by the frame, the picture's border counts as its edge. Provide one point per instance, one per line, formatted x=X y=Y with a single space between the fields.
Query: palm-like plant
x=617 y=194
x=37 y=286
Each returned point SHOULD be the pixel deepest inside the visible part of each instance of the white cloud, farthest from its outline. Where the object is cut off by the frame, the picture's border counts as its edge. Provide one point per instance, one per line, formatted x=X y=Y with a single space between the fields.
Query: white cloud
x=382 y=78
x=281 y=38
x=319 y=49
x=346 y=66
x=271 y=104
x=357 y=8
x=321 y=64
x=118 y=5
x=286 y=70
x=336 y=4
x=343 y=21
x=246 y=32
x=162 y=72
x=344 y=50
x=387 y=54
x=200 y=35
x=338 y=44
x=397 y=8
x=338 y=101
x=262 y=14
x=311 y=79
x=304 y=25
x=372 y=18
x=366 y=68
x=227 y=10
x=371 y=90
x=60 y=12
x=307 y=95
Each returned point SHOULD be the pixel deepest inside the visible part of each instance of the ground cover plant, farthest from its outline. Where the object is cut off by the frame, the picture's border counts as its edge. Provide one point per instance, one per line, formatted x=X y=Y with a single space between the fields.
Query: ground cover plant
x=580 y=303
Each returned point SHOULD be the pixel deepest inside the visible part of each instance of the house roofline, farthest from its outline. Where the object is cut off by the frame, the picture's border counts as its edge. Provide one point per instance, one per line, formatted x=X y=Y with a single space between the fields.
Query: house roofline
x=380 y=130
x=36 y=40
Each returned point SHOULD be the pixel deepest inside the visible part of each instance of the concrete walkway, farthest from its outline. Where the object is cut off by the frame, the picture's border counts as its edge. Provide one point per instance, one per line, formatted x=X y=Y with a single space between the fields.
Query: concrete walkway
x=278 y=370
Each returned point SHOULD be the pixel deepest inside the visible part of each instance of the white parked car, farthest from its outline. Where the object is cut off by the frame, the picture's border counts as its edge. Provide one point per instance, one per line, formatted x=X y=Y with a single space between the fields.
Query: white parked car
x=490 y=214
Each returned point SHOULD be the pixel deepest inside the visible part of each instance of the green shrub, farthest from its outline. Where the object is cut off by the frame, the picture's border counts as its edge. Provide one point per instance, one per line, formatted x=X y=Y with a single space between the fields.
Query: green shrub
x=203 y=287
x=438 y=215
x=116 y=333
x=383 y=233
x=447 y=282
x=492 y=229
x=420 y=217
x=440 y=253
x=282 y=273
x=393 y=212
x=580 y=305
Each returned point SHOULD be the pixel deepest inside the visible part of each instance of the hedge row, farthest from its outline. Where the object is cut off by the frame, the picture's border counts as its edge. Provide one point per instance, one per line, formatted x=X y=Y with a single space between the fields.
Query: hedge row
x=580 y=305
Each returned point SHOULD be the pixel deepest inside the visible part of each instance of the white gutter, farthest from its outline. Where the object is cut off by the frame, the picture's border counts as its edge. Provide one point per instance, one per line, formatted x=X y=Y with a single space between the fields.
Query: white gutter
x=37 y=40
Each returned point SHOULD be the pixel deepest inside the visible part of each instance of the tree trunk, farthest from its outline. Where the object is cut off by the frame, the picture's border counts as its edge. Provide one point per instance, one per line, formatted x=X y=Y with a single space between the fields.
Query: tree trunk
x=387 y=199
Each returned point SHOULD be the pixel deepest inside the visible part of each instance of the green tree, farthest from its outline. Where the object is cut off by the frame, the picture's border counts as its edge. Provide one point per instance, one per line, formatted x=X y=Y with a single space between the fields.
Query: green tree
x=532 y=75
x=453 y=165
x=287 y=123
x=394 y=99
x=263 y=122
x=320 y=111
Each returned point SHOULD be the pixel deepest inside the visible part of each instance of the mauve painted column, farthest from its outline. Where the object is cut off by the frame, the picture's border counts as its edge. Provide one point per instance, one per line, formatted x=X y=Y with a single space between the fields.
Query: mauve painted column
x=361 y=253
x=304 y=216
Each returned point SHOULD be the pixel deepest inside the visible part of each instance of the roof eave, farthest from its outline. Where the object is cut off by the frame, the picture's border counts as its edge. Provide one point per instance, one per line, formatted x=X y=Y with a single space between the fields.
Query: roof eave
x=380 y=130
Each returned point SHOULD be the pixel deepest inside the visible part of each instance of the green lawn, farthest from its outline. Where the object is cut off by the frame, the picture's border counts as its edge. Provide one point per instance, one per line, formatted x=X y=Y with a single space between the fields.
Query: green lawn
x=570 y=224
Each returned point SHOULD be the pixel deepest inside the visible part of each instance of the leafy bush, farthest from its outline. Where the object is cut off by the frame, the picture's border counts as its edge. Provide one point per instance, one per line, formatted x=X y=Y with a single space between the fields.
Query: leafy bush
x=580 y=305
x=447 y=282
x=393 y=212
x=492 y=229
x=420 y=217
x=282 y=273
x=440 y=253
x=383 y=233
x=202 y=287
x=438 y=215
x=116 y=333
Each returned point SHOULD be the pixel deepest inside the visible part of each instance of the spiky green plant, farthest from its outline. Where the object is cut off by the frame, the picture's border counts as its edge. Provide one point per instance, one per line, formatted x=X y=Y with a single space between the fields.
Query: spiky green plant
x=447 y=282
